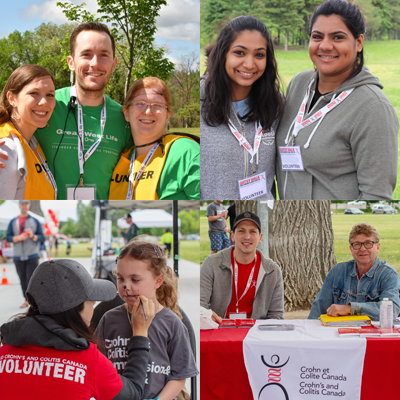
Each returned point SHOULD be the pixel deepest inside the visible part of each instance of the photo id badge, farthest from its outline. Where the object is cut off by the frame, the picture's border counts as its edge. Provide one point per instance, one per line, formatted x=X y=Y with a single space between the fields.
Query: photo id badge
x=253 y=186
x=291 y=158
x=85 y=192
x=237 y=315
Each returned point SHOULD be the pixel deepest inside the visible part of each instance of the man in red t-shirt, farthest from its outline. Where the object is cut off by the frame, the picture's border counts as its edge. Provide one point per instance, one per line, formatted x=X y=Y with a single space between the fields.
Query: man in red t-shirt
x=239 y=282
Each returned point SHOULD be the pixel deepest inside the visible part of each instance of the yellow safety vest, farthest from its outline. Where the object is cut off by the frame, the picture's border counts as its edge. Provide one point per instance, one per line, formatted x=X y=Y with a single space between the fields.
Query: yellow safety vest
x=37 y=186
x=146 y=187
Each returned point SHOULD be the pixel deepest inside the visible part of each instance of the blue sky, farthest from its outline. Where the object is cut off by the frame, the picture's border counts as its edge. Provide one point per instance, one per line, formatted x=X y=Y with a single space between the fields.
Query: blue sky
x=178 y=24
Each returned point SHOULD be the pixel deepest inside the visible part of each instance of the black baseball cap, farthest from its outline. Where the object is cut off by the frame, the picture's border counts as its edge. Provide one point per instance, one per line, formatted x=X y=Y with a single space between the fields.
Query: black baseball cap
x=62 y=284
x=126 y=216
x=247 y=216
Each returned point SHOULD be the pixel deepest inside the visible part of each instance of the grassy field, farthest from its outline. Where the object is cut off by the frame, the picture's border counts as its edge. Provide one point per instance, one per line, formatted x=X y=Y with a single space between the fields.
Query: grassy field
x=387 y=226
x=193 y=131
x=382 y=58
x=189 y=250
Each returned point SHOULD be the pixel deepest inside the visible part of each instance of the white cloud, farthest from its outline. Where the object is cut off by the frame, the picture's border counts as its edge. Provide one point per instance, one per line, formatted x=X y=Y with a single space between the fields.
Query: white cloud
x=49 y=11
x=178 y=12
x=186 y=32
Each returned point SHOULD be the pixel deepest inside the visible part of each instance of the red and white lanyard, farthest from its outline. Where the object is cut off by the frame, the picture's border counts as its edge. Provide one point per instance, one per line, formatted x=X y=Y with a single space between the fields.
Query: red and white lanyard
x=47 y=173
x=244 y=142
x=236 y=272
x=145 y=163
x=299 y=123
x=81 y=157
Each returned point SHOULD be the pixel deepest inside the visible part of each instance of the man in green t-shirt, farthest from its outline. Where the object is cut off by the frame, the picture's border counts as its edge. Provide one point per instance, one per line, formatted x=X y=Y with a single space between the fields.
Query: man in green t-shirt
x=132 y=230
x=93 y=60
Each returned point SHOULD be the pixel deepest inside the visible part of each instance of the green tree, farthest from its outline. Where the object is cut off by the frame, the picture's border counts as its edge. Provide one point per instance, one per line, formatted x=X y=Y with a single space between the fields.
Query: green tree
x=86 y=220
x=133 y=27
x=190 y=222
x=68 y=228
x=372 y=15
x=216 y=10
x=184 y=85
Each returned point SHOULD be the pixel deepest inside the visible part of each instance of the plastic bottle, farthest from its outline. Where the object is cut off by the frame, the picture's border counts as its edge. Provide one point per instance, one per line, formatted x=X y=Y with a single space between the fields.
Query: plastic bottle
x=386 y=314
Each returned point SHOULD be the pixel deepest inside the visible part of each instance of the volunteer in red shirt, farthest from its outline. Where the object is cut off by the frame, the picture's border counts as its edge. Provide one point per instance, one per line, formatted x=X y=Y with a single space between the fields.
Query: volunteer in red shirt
x=240 y=282
x=50 y=352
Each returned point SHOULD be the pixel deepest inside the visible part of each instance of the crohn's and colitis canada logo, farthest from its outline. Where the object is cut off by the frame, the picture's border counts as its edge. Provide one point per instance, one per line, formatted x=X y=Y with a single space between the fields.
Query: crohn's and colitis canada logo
x=274 y=390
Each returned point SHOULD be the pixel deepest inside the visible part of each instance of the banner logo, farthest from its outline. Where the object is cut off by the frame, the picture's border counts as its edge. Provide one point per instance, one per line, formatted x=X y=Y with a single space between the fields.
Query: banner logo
x=274 y=377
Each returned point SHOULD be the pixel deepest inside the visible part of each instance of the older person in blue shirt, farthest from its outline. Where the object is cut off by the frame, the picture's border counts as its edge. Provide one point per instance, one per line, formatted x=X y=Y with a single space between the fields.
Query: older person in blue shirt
x=358 y=286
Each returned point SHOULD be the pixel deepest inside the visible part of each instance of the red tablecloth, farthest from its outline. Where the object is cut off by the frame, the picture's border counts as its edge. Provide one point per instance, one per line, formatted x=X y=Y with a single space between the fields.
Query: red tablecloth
x=223 y=373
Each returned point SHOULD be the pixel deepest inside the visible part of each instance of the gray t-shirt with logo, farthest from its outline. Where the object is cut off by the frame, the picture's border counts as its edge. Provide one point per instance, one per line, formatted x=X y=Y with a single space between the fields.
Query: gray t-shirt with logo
x=170 y=356
x=217 y=226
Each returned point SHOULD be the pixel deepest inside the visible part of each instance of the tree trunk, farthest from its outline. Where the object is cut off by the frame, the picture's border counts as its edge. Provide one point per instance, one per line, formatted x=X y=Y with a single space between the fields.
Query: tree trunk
x=35 y=207
x=127 y=80
x=286 y=40
x=388 y=35
x=301 y=242
x=395 y=34
x=246 y=205
x=279 y=36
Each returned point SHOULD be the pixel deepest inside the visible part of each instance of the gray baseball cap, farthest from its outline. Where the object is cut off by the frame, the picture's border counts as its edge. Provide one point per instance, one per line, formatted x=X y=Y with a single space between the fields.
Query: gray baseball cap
x=62 y=284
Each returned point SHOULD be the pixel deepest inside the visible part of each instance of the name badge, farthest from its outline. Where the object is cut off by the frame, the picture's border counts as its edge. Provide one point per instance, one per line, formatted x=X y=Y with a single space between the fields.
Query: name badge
x=253 y=186
x=85 y=192
x=238 y=315
x=291 y=158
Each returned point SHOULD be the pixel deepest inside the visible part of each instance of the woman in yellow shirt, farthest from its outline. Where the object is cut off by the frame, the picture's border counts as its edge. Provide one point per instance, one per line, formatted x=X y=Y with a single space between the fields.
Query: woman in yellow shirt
x=161 y=165
x=26 y=103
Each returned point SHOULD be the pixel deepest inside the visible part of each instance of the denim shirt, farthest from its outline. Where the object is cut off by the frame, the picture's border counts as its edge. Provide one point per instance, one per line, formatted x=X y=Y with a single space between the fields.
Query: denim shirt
x=341 y=286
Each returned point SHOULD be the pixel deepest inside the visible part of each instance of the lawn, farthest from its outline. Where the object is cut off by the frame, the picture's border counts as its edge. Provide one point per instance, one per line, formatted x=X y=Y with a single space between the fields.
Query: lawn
x=188 y=250
x=193 y=131
x=382 y=58
x=387 y=226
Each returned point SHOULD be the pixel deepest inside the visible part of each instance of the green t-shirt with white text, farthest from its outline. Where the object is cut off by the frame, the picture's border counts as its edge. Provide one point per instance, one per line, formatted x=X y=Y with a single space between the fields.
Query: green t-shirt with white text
x=99 y=167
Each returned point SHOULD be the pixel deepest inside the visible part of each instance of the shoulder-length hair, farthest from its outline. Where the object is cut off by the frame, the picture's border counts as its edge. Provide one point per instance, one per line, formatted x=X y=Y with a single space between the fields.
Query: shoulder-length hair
x=265 y=101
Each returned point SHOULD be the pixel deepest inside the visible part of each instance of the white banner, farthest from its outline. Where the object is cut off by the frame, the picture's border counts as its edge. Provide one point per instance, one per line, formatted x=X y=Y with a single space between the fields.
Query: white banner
x=310 y=362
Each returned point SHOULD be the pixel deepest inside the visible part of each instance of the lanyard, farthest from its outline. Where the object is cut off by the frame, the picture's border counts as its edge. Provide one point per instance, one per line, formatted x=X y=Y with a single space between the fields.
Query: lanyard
x=248 y=282
x=47 y=173
x=244 y=142
x=299 y=123
x=81 y=157
x=142 y=168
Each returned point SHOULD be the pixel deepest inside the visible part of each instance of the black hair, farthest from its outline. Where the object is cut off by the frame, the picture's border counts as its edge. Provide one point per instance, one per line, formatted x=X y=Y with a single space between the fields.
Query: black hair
x=68 y=319
x=265 y=101
x=353 y=19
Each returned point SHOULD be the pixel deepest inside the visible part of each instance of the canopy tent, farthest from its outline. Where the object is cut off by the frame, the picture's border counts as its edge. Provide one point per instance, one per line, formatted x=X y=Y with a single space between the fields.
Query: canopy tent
x=9 y=210
x=149 y=219
x=153 y=204
x=103 y=205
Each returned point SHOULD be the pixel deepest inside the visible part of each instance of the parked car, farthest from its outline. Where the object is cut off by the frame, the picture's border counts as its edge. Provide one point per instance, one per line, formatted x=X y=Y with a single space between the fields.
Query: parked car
x=357 y=202
x=353 y=211
x=383 y=209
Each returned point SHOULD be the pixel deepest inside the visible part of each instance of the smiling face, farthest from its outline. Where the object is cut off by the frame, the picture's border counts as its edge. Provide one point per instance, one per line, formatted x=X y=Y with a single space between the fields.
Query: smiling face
x=92 y=61
x=135 y=278
x=147 y=125
x=333 y=48
x=246 y=237
x=245 y=62
x=33 y=106
x=365 y=257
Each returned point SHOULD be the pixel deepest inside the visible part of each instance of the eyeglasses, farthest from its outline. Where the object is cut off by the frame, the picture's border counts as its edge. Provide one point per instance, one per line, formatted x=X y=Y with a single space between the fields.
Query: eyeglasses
x=157 y=108
x=368 y=245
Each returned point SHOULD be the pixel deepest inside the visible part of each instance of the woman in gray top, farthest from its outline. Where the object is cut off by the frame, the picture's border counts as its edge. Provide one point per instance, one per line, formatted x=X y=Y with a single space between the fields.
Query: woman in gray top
x=240 y=109
x=338 y=135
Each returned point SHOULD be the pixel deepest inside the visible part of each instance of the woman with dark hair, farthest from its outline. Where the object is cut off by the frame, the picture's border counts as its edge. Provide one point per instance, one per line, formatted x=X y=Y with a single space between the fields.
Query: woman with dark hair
x=26 y=103
x=51 y=352
x=240 y=102
x=330 y=150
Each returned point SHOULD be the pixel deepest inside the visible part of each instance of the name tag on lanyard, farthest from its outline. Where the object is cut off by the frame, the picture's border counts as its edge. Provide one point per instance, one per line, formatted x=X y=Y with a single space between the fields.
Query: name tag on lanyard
x=291 y=155
x=291 y=158
x=253 y=187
